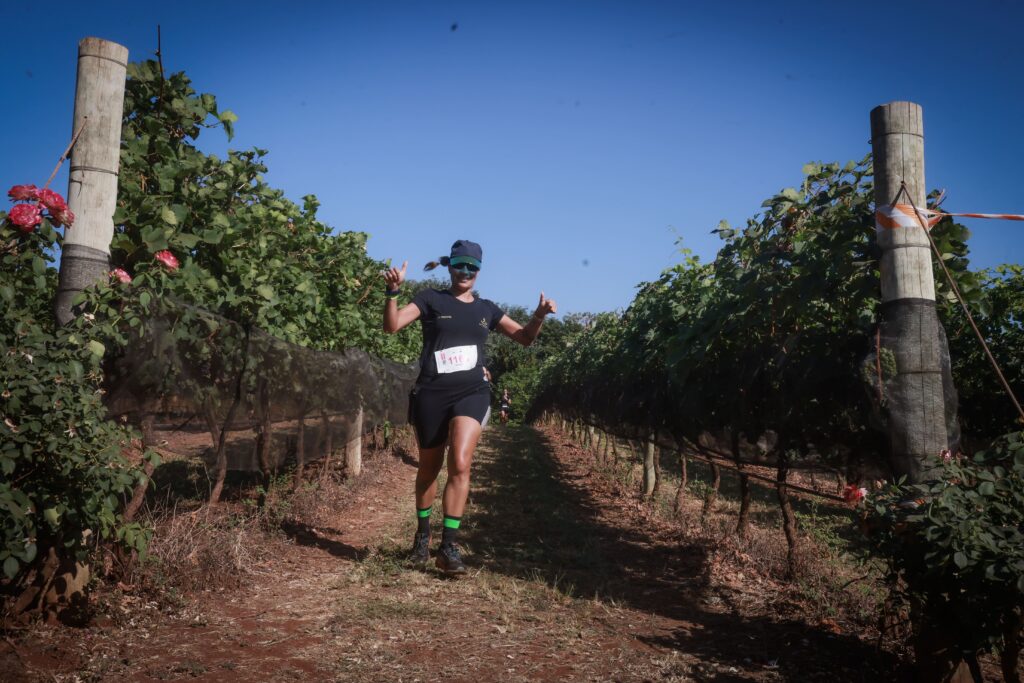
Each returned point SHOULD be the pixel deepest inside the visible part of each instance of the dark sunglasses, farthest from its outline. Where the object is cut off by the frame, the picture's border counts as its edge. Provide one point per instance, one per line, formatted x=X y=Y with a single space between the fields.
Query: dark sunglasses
x=465 y=267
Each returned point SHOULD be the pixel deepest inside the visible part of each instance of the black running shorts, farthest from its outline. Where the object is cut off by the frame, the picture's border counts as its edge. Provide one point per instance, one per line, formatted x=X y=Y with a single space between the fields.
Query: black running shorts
x=430 y=410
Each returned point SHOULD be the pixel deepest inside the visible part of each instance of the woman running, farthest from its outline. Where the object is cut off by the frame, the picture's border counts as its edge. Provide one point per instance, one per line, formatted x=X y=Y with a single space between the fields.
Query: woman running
x=505 y=405
x=451 y=400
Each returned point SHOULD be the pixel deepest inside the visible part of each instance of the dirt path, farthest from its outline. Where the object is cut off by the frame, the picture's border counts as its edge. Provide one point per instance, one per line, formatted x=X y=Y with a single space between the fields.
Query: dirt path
x=571 y=580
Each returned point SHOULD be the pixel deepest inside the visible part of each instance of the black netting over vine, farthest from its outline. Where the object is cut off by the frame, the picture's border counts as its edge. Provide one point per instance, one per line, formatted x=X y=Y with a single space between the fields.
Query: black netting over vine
x=909 y=375
x=245 y=400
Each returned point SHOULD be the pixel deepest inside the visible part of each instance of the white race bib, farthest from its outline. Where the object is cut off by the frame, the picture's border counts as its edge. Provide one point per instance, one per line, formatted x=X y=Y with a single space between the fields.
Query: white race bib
x=455 y=359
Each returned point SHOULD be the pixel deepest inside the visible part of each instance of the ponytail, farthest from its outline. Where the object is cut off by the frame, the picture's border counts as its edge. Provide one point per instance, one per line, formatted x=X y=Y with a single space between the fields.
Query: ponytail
x=442 y=261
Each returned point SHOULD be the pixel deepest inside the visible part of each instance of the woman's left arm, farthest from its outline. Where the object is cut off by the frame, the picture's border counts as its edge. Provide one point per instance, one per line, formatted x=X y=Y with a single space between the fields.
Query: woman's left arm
x=525 y=335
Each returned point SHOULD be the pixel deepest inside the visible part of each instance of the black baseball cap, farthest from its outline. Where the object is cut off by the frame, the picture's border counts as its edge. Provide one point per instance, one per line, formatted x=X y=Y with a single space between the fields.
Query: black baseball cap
x=464 y=251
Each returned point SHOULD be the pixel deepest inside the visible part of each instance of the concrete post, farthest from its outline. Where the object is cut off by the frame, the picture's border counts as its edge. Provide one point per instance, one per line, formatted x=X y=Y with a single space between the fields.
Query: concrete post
x=92 y=182
x=909 y=320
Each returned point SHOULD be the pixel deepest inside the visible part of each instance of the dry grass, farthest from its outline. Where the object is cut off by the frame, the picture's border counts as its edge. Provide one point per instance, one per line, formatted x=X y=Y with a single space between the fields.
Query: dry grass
x=206 y=548
x=198 y=546
x=830 y=585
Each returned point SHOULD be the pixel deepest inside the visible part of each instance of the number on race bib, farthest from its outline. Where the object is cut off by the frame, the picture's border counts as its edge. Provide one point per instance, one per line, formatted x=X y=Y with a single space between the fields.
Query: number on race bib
x=455 y=359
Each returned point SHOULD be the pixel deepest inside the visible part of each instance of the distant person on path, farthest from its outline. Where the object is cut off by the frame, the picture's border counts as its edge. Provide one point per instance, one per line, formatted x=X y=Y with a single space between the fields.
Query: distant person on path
x=506 y=406
x=451 y=400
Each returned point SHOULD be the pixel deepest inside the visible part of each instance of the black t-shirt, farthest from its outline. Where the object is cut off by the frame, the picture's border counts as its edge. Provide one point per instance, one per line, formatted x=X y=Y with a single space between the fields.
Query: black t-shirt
x=454 y=333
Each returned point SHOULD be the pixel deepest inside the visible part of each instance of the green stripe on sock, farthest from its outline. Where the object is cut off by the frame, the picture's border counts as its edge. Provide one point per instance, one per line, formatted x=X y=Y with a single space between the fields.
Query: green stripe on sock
x=452 y=522
x=425 y=512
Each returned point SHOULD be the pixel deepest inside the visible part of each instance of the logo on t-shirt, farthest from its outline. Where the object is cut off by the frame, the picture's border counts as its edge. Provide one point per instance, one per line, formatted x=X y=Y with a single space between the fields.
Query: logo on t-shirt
x=483 y=323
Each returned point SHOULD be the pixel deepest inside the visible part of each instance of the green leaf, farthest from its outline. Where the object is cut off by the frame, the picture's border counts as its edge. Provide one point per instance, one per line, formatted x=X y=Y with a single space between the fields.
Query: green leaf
x=187 y=240
x=228 y=118
x=52 y=516
x=10 y=567
x=155 y=238
x=960 y=559
x=987 y=488
x=168 y=216
x=144 y=298
x=97 y=348
x=266 y=291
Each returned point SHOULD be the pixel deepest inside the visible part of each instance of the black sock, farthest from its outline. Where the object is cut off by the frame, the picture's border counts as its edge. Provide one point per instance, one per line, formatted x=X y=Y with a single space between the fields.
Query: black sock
x=423 y=520
x=451 y=529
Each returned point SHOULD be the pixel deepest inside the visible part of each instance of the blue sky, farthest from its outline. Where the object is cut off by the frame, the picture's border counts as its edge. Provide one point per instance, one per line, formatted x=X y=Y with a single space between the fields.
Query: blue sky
x=576 y=141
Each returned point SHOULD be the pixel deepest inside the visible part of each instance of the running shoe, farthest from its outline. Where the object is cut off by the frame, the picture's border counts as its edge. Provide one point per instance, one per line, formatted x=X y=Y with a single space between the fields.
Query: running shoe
x=420 y=553
x=449 y=561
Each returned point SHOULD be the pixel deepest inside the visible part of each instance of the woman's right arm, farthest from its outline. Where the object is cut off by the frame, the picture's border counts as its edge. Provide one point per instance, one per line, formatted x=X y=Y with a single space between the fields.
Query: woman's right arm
x=396 y=318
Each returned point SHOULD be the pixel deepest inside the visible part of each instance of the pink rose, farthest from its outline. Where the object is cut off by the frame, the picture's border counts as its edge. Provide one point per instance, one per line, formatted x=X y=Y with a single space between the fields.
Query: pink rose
x=854 y=494
x=121 y=274
x=20 y=193
x=52 y=201
x=25 y=216
x=63 y=217
x=167 y=258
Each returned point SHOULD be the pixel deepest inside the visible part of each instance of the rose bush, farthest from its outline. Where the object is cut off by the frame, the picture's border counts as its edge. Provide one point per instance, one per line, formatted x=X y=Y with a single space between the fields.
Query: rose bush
x=955 y=548
x=64 y=472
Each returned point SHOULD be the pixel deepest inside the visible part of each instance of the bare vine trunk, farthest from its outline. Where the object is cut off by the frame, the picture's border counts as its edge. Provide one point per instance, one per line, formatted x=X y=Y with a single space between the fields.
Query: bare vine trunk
x=1009 y=658
x=788 y=518
x=211 y=422
x=139 y=493
x=222 y=456
x=681 y=491
x=712 y=495
x=328 y=440
x=743 y=519
x=263 y=441
x=300 y=450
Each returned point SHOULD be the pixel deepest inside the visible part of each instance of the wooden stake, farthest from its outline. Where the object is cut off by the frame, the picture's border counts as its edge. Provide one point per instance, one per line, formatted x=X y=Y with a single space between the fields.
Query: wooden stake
x=95 y=161
x=909 y=320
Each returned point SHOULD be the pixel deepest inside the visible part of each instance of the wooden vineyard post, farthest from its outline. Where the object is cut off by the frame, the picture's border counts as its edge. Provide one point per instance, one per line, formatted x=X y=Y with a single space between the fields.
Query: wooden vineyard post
x=650 y=476
x=354 y=447
x=909 y=319
x=913 y=335
x=95 y=160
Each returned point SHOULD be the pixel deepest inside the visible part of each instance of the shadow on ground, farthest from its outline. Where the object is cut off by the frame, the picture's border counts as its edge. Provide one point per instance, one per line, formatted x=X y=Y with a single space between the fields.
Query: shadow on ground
x=534 y=518
x=303 y=534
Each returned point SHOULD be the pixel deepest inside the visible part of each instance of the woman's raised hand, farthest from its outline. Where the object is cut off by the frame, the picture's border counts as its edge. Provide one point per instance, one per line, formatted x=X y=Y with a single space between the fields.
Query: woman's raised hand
x=395 y=277
x=545 y=306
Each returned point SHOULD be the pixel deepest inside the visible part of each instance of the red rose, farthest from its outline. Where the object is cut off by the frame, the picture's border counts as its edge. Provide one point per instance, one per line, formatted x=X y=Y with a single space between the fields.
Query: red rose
x=854 y=493
x=20 y=193
x=25 y=216
x=121 y=275
x=52 y=201
x=167 y=258
x=63 y=217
